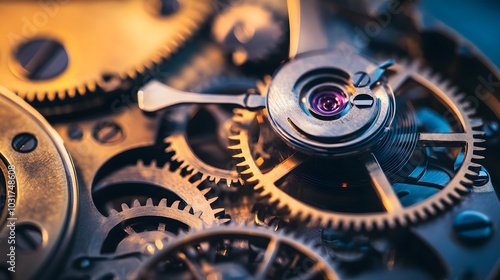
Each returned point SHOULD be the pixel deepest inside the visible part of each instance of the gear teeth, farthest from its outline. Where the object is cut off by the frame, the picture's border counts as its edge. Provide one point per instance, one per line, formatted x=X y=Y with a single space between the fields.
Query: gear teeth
x=219 y=210
x=212 y=200
x=163 y=202
x=234 y=147
x=136 y=203
x=112 y=212
x=170 y=150
x=149 y=202
x=124 y=206
x=479 y=149
x=224 y=221
x=246 y=172
x=242 y=164
x=189 y=208
x=189 y=21
x=234 y=137
x=258 y=187
x=475 y=166
x=175 y=204
x=409 y=215
x=240 y=155
x=252 y=179
x=205 y=191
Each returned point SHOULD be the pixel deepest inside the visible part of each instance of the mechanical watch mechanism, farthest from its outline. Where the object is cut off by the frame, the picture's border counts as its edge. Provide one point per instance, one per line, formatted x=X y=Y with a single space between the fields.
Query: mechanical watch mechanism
x=238 y=252
x=245 y=139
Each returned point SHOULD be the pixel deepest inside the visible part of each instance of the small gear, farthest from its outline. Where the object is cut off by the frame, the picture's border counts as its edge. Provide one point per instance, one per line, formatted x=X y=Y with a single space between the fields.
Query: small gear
x=191 y=193
x=250 y=32
x=193 y=147
x=183 y=151
x=55 y=51
x=128 y=237
x=238 y=252
x=272 y=166
x=135 y=241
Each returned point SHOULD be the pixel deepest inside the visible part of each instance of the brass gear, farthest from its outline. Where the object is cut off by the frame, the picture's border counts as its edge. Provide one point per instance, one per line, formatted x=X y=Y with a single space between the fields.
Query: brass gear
x=87 y=30
x=266 y=180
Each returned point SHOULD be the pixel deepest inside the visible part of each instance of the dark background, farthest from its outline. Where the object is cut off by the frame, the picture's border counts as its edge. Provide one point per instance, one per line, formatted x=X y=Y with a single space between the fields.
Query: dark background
x=477 y=20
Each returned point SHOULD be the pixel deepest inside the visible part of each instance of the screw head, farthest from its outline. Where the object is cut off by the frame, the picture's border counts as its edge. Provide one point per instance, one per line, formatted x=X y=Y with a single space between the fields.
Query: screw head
x=74 y=132
x=361 y=79
x=363 y=101
x=473 y=227
x=42 y=59
x=163 y=8
x=29 y=237
x=107 y=132
x=24 y=143
x=169 y=7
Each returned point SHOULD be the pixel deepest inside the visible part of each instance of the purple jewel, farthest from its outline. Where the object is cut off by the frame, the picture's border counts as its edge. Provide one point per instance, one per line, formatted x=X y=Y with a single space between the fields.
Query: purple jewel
x=327 y=102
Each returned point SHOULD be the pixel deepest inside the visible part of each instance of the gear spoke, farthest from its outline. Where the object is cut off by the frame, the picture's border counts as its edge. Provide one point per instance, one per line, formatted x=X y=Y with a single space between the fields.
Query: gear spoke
x=306 y=32
x=442 y=139
x=155 y=96
x=311 y=273
x=382 y=185
x=285 y=167
x=269 y=257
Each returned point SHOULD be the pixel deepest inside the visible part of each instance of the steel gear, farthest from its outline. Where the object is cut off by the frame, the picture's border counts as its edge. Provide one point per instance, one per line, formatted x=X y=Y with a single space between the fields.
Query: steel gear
x=268 y=177
x=238 y=252
x=74 y=60
x=39 y=192
x=128 y=237
x=179 y=145
x=192 y=193
x=190 y=147
x=250 y=32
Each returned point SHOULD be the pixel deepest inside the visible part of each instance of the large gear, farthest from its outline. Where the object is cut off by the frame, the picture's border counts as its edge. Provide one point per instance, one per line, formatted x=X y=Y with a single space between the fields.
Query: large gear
x=91 y=50
x=238 y=252
x=266 y=176
x=39 y=192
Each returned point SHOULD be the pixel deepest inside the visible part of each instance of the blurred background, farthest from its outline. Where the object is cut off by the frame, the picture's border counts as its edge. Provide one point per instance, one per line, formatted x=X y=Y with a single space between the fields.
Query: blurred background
x=478 y=21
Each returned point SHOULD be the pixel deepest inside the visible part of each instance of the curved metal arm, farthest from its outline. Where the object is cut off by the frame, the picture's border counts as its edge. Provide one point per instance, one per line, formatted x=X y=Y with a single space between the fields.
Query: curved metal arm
x=155 y=96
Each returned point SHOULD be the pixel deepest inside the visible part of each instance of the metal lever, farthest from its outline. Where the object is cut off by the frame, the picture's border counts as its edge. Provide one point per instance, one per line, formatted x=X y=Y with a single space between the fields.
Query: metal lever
x=155 y=96
x=306 y=27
